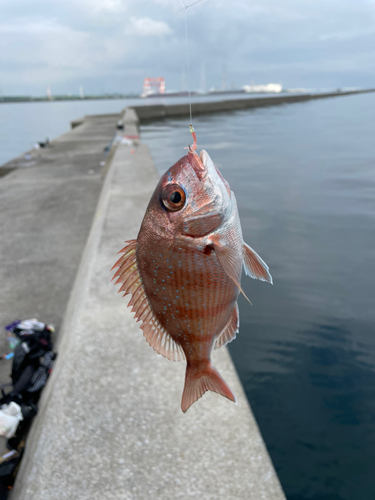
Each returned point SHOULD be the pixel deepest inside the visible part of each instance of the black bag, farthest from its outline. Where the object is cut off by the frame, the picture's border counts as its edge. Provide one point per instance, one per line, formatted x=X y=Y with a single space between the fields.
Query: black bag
x=20 y=361
x=32 y=347
x=8 y=470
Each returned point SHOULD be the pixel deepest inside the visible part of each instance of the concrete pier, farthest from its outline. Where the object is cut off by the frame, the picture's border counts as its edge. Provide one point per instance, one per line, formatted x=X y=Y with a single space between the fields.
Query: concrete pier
x=46 y=212
x=110 y=424
x=47 y=204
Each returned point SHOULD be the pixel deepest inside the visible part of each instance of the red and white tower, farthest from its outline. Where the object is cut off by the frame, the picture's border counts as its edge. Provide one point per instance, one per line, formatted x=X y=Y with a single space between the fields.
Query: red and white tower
x=153 y=86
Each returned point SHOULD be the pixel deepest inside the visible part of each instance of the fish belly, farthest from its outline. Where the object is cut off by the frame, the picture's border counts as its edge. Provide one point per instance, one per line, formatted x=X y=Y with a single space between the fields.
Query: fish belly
x=189 y=292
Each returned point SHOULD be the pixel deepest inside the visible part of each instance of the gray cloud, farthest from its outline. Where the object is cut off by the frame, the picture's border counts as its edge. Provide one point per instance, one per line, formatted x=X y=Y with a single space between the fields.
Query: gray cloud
x=144 y=26
x=111 y=45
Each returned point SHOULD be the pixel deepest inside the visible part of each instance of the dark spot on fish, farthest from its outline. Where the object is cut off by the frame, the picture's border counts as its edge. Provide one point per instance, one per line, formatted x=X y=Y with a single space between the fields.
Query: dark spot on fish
x=208 y=249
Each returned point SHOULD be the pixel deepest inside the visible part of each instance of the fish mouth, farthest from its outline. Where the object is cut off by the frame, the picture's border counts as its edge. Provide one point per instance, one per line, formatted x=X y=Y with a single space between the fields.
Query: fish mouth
x=210 y=168
x=197 y=165
x=203 y=166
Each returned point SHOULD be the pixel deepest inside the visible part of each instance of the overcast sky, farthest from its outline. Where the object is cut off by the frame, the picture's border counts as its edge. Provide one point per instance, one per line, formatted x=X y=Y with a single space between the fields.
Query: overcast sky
x=112 y=45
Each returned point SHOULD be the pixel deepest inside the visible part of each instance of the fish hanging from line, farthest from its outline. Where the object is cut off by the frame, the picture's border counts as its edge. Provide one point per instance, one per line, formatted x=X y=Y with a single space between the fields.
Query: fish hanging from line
x=184 y=271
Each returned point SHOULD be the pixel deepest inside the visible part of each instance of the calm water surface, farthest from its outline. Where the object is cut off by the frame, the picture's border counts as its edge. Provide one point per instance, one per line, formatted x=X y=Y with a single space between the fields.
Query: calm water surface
x=304 y=178
x=25 y=123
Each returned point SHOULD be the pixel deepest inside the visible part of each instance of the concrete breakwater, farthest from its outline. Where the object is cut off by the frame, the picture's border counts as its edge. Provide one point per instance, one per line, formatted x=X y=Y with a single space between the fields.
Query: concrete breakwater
x=46 y=211
x=158 y=111
x=146 y=112
x=110 y=424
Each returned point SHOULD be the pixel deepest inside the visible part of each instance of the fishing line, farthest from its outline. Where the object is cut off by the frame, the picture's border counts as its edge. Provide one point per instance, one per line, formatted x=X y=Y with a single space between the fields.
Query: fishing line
x=185 y=8
x=188 y=65
x=188 y=6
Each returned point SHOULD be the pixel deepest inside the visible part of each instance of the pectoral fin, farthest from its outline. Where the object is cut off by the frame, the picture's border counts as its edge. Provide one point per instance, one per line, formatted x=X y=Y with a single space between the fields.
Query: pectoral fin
x=227 y=258
x=255 y=266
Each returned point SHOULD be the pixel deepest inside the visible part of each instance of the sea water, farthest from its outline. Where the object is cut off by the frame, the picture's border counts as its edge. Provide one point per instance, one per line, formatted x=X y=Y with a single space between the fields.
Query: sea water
x=304 y=178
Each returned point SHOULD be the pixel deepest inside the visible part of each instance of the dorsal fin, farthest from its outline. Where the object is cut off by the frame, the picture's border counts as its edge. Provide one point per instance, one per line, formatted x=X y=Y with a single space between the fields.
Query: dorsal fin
x=231 y=328
x=154 y=333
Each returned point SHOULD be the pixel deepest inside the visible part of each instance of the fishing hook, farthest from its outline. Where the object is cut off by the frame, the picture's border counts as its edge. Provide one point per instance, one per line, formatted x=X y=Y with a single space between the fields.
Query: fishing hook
x=194 y=146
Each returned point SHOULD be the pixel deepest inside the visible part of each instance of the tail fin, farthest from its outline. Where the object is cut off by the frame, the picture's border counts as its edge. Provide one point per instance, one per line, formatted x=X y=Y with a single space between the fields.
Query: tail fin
x=198 y=381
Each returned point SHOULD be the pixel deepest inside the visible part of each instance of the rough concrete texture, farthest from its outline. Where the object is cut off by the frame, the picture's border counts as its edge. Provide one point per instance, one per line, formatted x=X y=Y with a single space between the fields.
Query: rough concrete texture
x=46 y=213
x=110 y=425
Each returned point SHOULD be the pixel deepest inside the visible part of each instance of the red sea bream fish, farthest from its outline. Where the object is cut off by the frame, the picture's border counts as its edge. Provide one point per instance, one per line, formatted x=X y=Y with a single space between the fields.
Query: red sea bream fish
x=184 y=271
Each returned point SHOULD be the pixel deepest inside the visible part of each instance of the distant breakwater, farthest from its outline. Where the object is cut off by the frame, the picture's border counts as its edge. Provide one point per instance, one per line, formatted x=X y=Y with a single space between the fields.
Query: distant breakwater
x=159 y=111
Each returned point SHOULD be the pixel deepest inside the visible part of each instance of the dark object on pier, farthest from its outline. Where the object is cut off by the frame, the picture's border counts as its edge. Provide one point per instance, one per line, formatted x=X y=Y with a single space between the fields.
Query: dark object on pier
x=9 y=468
x=32 y=363
x=13 y=443
x=44 y=144
x=9 y=464
x=120 y=125
x=29 y=411
x=3 y=492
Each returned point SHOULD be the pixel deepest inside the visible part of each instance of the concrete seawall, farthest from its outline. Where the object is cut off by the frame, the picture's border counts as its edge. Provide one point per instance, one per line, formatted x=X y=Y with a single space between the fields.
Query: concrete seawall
x=150 y=112
x=158 y=111
x=110 y=424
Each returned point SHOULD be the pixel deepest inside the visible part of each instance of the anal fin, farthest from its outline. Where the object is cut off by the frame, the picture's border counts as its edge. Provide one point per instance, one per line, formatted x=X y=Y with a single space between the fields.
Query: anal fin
x=231 y=329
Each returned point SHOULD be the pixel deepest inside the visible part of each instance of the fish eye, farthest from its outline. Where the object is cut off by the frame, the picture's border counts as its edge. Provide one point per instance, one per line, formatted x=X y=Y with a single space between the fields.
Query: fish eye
x=173 y=197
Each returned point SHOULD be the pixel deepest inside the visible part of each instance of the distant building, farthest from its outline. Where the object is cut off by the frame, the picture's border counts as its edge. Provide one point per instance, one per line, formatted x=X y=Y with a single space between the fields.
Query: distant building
x=49 y=93
x=269 y=88
x=153 y=86
x=81 y=94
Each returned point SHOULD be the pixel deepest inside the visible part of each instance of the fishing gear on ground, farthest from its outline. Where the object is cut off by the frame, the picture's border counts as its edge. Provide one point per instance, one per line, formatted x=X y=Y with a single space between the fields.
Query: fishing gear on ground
x=33 y=360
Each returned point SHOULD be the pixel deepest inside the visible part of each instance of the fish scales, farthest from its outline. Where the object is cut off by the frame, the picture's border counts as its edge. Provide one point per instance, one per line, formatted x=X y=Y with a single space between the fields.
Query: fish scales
x=196 y=291
x=184 y=271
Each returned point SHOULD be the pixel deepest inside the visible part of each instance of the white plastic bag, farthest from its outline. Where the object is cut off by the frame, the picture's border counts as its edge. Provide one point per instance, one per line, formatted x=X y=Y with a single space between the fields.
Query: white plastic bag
x=10 y=417
x=31 y=324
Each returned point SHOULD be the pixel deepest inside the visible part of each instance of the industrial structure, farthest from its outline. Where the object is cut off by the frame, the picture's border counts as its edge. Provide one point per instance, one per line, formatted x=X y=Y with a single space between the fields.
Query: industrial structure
x=153 y=86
